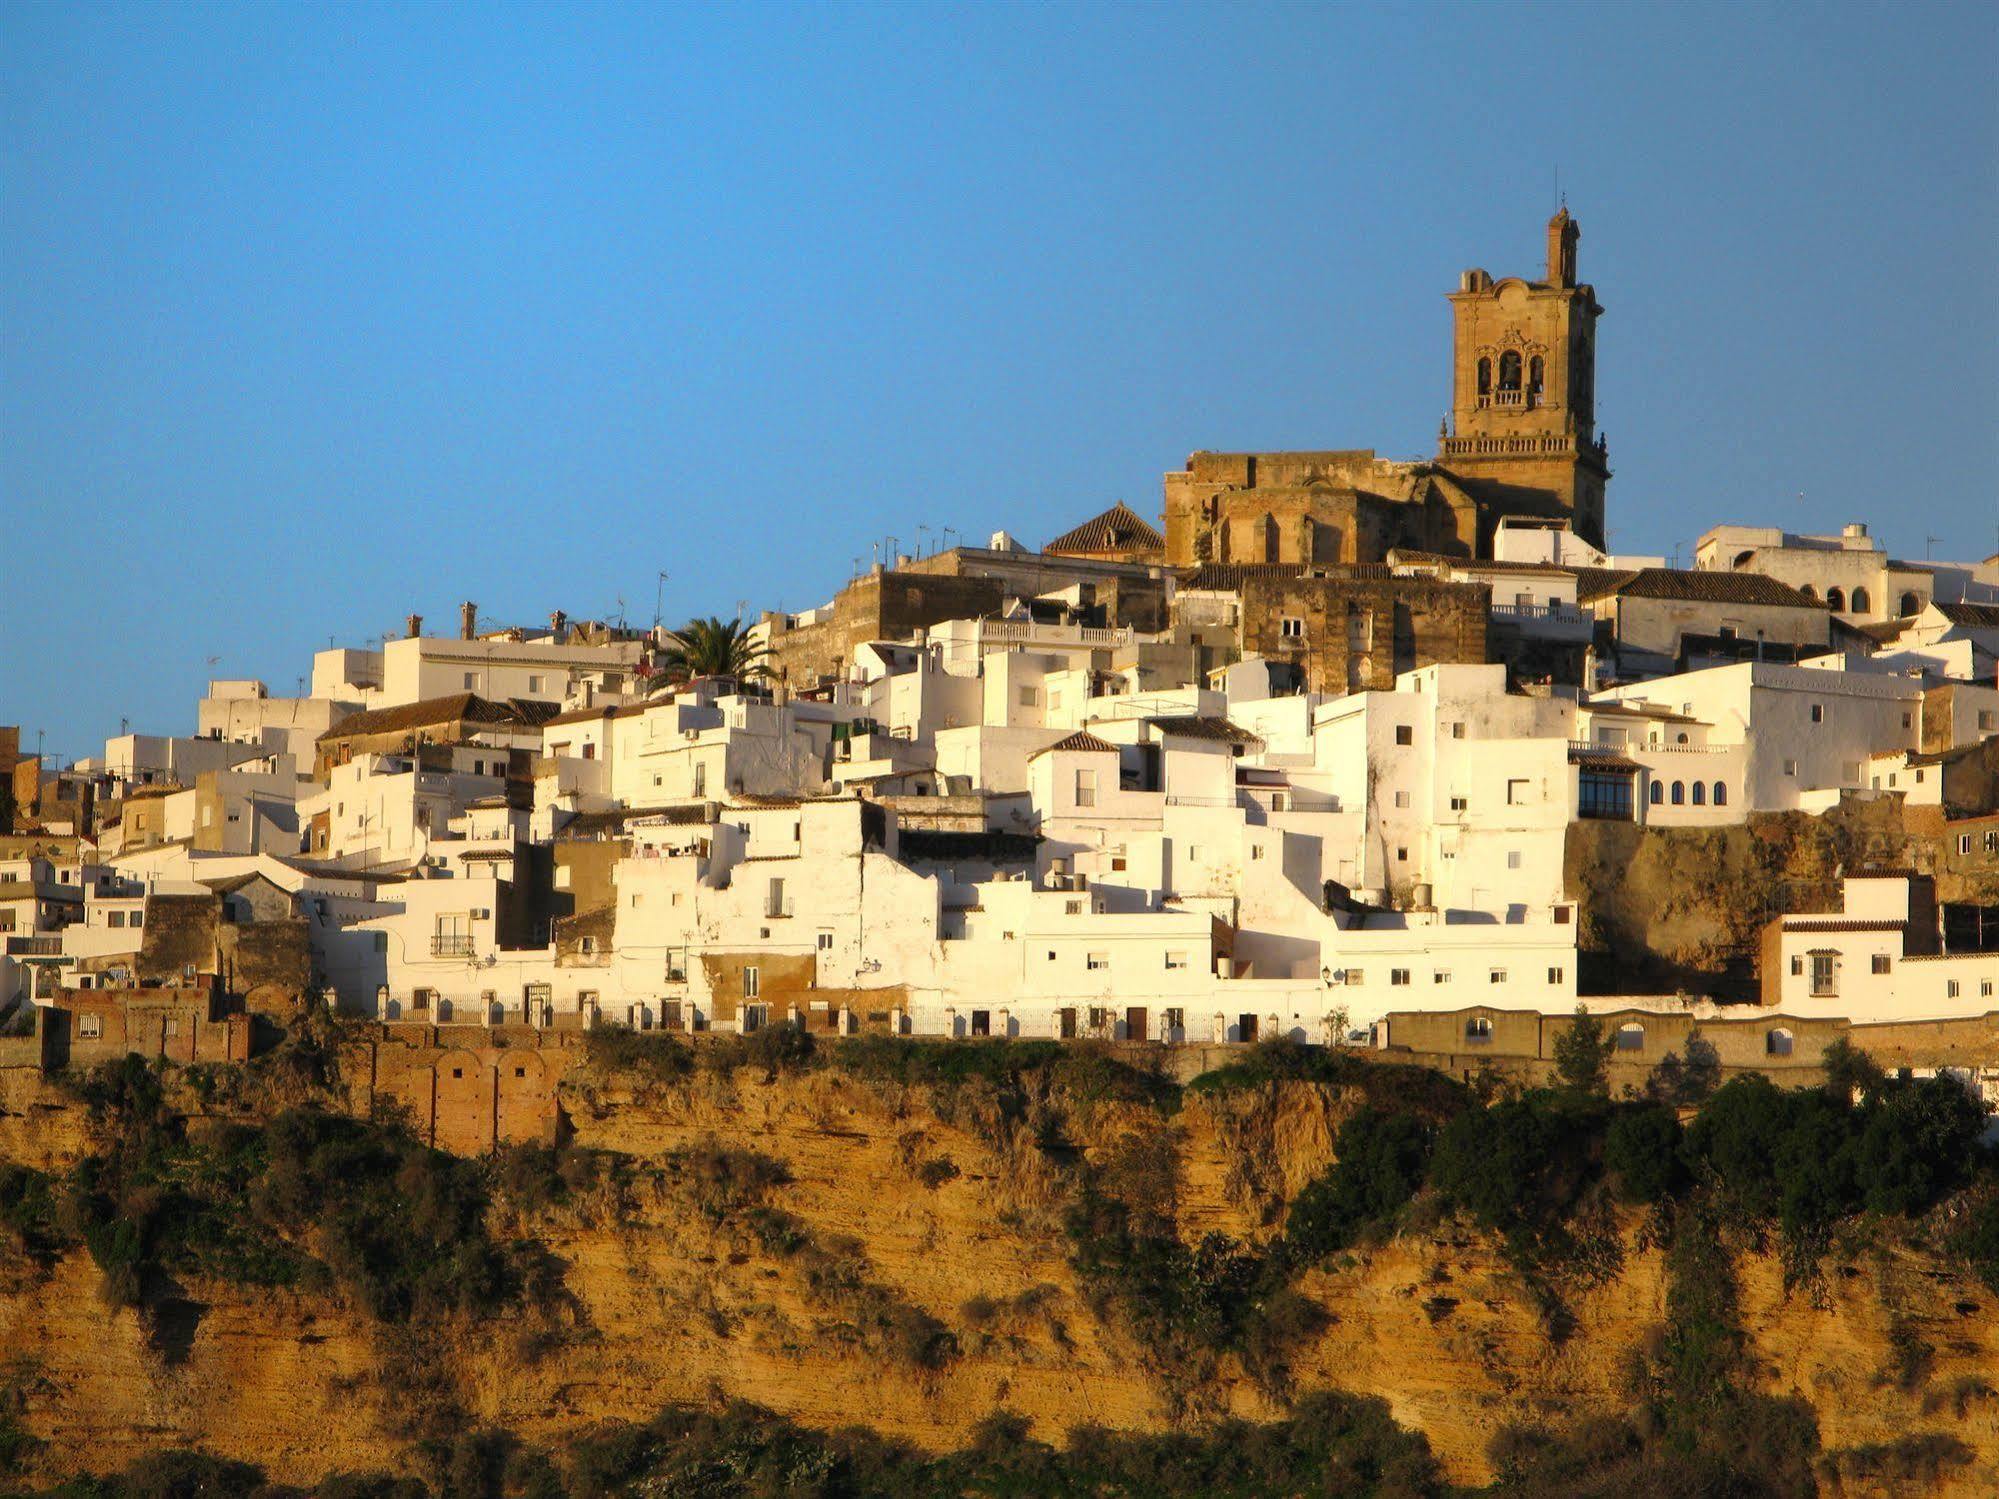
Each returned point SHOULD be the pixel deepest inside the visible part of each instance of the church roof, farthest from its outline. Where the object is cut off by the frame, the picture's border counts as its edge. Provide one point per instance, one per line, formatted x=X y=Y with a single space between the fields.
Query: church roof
x=1118 y=529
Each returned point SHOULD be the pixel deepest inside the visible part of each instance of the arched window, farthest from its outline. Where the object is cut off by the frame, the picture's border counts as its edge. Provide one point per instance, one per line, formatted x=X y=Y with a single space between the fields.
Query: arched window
x=1700 y=794
x=1631 y=1037
x=1658 y=793
x=1860 y=601
x=1777 y=1042
x=1835 y=599
x=1478 y=1028
x=1534 y=381
x=1485 y=377
x=1808 y=591
x=1721 y=793
x=1509 y=370
x=1911 y=604
x=1679 y=793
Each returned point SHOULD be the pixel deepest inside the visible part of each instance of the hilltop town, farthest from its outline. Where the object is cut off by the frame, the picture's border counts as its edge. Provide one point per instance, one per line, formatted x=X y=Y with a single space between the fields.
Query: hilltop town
x=1330 y=748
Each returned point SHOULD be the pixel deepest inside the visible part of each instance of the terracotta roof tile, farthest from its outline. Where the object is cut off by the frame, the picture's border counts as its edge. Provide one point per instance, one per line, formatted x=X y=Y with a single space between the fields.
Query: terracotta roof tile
x=459 y=707
x=1118 y=529
x=1080 y=742
x=1690 y=584
x=1196 y=726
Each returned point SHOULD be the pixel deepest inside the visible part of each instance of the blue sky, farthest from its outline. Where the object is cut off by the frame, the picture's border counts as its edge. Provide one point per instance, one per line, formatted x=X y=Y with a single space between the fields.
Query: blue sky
x=311 y=317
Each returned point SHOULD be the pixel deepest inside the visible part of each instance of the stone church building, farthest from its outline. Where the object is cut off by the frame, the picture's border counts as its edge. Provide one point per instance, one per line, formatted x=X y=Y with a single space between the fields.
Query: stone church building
x=1521 y=440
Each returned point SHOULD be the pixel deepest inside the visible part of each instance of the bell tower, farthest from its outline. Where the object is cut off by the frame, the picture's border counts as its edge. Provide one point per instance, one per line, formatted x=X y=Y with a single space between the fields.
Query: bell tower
x=1522 y=436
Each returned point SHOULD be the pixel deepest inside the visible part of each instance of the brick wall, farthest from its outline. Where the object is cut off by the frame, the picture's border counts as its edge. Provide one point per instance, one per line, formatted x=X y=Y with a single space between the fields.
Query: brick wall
x=465 y=1088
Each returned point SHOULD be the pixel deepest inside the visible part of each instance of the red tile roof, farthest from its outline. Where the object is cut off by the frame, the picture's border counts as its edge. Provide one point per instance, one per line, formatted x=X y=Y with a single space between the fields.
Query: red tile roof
x=1080 y=742
x=1118 y=529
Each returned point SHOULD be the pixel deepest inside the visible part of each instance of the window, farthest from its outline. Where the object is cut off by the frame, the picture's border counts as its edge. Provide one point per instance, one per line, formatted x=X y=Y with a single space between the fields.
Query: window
x=1401 y=798
x=752 y=982
x=1029 y=696
x=89 y=1027
x=1176 y=960
x=1881 y=962
x=1658 y=794
x=1700 y=793
x=1721 y=793
x=1963 y=843
x=1984 y=720
x=1440 y=976
x=1401 y=856
x=1457 y=731
x=1398 y=977
x=1950 y=988
x=535 y=683
x=1072 y=908
x=1604 y=794
x=1256 y=851
x=1818 y=712
x=1193 y=853
x=1516 y=793
x=700 y=778
x=1631 y=1037
x=676 y=965
x=1291 y=627
x=1459 y=804
x=1356 y=975
x=470 y=681
x=117 y=918
x=1860 y=601
x=1497 y=976
x=1478 y=1029
x=1797 y=966
x=1097 y=961
x=1825 y=974
x=1086 y=788
x=587 y=946
x=1985 y=988
x=1679 y=793
x=1991 y=841
x=1404 y=734
x=1556 y=975
x=1790 y=767
x=1777 y=1043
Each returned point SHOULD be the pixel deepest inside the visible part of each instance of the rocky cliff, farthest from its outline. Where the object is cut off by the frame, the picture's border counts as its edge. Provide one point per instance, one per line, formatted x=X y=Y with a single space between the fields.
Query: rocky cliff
x=859 y=1249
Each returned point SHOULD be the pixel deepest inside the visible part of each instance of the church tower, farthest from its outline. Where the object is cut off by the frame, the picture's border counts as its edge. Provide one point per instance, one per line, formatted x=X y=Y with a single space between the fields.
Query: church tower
x=1522 y=437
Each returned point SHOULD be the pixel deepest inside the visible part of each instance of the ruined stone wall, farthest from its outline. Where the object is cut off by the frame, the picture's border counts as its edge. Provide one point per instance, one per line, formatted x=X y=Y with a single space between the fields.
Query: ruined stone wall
x=885 y=606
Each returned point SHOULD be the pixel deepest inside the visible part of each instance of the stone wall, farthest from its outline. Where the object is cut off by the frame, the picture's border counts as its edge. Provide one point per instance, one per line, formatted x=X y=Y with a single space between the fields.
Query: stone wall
x=883 y=606
x=464 y=1088
x=1362 y=626
x=1752 y=1040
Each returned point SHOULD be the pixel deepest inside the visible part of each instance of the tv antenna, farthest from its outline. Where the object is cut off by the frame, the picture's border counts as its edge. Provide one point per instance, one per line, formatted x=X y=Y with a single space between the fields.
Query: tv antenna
x=658 y=598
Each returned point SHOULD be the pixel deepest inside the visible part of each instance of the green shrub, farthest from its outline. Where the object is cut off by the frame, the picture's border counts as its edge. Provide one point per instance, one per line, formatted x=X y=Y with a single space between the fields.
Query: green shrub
x=1641 y=1151
x=1380 y=1160
x=1976 y=1242
x=933 y=1174
x=1582 y=1054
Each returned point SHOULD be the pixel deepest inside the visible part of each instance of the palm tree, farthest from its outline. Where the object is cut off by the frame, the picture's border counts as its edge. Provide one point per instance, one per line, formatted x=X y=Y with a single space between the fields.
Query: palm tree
x=711 y=648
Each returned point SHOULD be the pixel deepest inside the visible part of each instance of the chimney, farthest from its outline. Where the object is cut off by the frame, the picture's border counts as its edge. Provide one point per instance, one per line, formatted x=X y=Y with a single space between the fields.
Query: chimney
x=415 y=623
x=555 y=623
x=468 y=621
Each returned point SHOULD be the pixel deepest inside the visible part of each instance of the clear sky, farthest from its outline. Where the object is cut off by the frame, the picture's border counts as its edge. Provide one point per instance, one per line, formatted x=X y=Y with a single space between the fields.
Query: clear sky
x=315 y=316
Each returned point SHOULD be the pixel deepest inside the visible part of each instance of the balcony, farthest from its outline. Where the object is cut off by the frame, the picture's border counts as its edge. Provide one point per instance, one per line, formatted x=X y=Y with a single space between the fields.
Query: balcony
x=451 y=947
x=34 y=947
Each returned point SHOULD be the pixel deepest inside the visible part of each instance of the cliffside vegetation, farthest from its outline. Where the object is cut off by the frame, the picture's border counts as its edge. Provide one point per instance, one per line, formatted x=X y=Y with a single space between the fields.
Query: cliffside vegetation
x=1087 y=1154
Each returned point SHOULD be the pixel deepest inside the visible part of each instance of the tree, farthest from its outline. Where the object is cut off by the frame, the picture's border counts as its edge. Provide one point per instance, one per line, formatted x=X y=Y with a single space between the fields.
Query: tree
x=1581 y=1054
x=712 y=647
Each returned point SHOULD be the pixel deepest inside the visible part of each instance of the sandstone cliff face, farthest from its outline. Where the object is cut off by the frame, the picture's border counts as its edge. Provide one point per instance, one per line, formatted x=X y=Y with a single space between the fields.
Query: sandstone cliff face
x=899 y=1202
